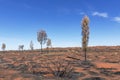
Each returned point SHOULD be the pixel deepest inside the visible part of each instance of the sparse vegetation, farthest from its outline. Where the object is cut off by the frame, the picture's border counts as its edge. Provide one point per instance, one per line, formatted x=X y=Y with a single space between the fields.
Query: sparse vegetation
x=34 y=65
x=60 y=63
x=59 y=55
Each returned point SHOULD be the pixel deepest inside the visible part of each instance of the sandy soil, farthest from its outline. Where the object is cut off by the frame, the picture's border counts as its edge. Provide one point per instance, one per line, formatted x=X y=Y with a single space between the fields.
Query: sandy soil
x=33 y=65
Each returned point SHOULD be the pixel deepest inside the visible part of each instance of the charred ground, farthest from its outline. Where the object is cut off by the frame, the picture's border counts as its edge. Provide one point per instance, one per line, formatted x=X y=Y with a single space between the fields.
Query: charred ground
x=34 y=65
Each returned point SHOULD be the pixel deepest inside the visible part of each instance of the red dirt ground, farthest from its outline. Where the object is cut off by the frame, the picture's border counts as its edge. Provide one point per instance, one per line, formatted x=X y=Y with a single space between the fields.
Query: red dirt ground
x=31 y=65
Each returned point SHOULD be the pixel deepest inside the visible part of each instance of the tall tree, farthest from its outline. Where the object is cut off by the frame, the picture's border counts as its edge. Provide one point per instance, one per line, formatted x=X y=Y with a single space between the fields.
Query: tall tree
x=42 y=37
x=31 y=45
x=85 y=35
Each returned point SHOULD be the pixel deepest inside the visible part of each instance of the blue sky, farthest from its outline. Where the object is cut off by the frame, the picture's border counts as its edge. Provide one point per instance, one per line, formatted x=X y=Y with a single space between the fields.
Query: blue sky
x=61 y=19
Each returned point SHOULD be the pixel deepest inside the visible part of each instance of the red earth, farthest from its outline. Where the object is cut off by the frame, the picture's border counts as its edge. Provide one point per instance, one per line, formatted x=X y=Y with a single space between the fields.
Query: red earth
x=104 y=64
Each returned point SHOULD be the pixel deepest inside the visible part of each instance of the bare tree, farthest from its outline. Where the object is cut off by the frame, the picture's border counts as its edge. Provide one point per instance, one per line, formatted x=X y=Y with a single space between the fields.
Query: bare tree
x=42 y=37
x=3 y=46
x=85 y=35
x=31 y=45
x=21 y=47
x=49 y=44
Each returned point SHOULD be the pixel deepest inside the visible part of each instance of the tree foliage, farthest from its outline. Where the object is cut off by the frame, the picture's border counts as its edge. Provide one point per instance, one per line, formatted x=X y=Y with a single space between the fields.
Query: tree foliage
x=85 y=34
x=42 y=37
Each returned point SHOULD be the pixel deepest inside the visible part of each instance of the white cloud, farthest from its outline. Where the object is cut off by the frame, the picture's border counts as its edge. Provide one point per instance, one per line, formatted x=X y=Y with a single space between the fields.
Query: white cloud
x=117 y=19
x=105 y=15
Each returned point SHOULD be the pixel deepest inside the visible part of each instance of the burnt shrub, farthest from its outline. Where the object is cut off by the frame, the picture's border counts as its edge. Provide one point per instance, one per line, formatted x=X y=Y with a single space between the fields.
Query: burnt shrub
x=60 y=68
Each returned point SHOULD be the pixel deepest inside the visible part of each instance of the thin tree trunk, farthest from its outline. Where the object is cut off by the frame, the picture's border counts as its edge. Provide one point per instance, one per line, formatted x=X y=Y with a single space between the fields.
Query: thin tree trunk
x=47 y=49
x=85 y=55
x=41 y=46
